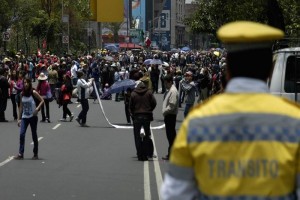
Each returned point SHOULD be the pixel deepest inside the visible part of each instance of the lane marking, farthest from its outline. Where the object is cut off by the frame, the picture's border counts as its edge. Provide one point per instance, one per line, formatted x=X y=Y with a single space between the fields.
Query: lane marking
x=6 y=161
x=157 y=171
x=147 y=190
x=55 y=127
x=39 y=139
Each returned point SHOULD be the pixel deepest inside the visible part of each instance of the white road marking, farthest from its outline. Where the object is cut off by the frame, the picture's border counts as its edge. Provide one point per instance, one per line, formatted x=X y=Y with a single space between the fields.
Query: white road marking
x=147 y=190
x=157 y=171
x=39 y=139
x=56 y=126
x=6 y=161
x=78 y=105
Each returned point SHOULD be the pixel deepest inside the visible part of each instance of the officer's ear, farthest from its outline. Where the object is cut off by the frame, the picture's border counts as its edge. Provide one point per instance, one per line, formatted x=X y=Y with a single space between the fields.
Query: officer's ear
x=228 y=74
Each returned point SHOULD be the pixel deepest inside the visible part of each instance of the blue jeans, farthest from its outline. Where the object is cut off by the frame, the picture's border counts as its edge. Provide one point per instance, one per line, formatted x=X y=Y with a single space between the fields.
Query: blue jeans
x=85 y=109
x=74 y=81
x=187 y=109
x=33 y=125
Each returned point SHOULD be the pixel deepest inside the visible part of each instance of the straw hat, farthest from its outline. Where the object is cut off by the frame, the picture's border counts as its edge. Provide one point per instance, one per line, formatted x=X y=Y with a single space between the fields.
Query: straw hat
x=82 y=64
x=42 y=77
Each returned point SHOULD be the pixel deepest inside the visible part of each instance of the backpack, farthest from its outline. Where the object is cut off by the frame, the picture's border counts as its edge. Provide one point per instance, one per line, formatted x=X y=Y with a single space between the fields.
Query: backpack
x=58 y=96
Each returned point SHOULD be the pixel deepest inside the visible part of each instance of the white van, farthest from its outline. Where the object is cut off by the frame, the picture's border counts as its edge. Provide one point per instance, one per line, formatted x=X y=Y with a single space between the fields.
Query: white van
x=285 y=80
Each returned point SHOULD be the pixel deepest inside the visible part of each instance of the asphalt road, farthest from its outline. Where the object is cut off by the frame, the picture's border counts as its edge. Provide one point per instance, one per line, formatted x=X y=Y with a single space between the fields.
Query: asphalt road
x=97 y=162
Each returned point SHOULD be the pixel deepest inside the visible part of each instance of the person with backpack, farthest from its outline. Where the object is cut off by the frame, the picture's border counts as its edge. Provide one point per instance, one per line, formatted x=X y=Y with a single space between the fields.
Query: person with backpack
x=28 y=115
x=65 y=97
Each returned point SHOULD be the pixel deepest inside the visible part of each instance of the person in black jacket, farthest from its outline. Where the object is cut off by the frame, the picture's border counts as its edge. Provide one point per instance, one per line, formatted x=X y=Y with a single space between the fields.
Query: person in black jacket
x=142 y=103
x=4 y=86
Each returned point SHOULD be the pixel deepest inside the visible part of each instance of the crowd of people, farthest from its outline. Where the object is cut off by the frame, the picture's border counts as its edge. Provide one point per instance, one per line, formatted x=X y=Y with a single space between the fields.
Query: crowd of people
x=243 y=143
x=205 y=69
x=194 y=74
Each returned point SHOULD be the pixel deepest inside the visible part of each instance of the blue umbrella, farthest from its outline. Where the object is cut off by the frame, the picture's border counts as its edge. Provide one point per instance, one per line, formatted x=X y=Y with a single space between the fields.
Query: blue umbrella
x=120 y=86
x=185 y=49
x=174 y=50
x=112 y=48
x=155 y=62
x=147 y=62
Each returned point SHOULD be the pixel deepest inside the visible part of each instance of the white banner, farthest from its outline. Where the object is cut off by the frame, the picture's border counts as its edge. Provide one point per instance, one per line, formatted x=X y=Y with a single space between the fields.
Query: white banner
x=118 y=126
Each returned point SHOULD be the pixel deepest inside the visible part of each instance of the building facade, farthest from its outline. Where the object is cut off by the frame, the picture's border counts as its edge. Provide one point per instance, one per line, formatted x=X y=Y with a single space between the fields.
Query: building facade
x=168 y=30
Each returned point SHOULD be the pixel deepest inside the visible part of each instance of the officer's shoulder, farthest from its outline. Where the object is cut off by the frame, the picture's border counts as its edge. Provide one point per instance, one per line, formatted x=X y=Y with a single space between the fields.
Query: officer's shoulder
x=204 y=103
x=291 y=103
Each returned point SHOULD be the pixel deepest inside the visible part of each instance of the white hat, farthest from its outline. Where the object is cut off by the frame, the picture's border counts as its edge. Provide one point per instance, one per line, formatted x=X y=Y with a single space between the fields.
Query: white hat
x=42 y=77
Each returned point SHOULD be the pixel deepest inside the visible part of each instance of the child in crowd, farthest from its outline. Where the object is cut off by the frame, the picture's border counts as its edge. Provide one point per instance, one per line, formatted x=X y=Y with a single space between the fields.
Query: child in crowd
x=106 y=95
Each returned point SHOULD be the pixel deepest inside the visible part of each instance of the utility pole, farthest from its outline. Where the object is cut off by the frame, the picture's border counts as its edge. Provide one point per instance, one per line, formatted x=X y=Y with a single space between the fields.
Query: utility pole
x=100 y=34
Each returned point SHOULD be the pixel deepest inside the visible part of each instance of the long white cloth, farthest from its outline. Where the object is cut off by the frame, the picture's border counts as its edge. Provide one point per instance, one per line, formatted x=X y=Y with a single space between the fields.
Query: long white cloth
x=118 y=126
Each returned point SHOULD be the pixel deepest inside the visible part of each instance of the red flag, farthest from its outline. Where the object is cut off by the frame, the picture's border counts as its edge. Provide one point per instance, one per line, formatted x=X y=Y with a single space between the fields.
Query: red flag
x=148 y=42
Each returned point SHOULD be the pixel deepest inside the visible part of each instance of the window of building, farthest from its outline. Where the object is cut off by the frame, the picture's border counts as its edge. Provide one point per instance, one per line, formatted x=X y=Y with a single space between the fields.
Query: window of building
x=292 y=75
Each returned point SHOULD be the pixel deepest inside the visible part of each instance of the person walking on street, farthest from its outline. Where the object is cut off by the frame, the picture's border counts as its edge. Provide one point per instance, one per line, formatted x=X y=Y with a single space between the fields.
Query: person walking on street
x=83 y=95
x=142 y=103
x=243 y=143
x=28 y=115
x=169 y=111
x=154 y=76
x=188 y=86
x=42 y=88
x=53 y=78
x=74 y=70
x=127 y=96
x=4 y=86
x=13 y=92
x=19 y=86
x=66 y=90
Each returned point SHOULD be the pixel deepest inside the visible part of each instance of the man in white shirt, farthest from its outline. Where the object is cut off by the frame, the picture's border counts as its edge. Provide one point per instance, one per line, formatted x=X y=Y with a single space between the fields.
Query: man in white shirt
x=169 y=111
x=73 y=73
x=83 y=94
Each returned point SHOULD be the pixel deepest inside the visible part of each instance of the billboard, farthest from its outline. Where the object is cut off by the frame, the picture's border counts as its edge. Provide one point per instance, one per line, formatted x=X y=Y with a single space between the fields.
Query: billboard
x=162 y=31
x=138 y=19
x=139 y=13
x=107 y=10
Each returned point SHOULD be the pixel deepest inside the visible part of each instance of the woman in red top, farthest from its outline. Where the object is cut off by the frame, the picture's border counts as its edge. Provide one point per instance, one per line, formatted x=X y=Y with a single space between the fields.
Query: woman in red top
x=13 y=92
x=66 y=90
x=42 y=88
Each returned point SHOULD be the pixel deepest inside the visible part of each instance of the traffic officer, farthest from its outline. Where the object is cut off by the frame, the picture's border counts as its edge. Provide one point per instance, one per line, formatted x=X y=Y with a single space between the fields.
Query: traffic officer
x=244 y=143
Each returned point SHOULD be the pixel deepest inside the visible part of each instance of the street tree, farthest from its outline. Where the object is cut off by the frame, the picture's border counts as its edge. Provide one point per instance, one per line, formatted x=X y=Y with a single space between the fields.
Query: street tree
x=210 y=15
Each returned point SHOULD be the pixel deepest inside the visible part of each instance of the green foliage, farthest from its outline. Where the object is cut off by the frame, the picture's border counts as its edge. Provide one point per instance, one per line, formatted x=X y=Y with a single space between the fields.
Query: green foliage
x=33 y=21
x=211 y=14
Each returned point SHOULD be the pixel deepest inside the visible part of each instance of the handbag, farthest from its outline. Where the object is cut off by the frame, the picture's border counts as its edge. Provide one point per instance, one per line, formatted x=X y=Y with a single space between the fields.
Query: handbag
x=49 y=96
